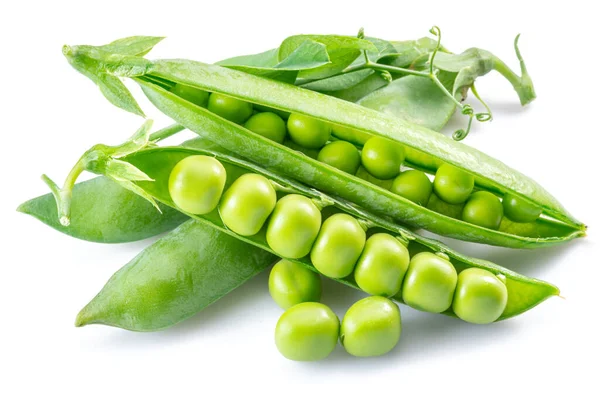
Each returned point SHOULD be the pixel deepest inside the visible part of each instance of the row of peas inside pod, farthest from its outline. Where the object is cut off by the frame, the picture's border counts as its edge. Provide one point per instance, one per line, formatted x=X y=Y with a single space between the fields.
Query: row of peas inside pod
x=380 y=161
x=338 y=246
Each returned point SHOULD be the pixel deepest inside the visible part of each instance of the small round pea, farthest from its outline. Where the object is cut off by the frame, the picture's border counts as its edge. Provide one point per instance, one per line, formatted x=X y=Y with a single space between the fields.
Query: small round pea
x=291 y=283
x=342 y=155
x=480 y=296
x=235 y=110
x=267 y=124
x=247 y=204
x=483 y=209
x=371 y=327
x=413 y=185
x=307 y=332
x=364 y=174
x=520 y=210
x=452 y=184
x=430 y=282
x=196 y=184
x=338 y=246
x=382 y=157
x=382 y=265
x=350 y=134
x=294 y=226
x=191 y=94
x=307 y=131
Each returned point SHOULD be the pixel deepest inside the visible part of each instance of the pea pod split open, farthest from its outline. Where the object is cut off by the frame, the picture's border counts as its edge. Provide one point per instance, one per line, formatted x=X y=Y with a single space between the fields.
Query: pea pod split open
x=158 y=163
x=426 y=150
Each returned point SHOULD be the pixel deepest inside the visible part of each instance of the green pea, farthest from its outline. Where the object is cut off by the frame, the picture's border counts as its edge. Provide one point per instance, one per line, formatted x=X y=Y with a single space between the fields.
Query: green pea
x=430 y=282
x=312 y=153
x=364 y=174
x=350 y=134
x=452 y=184
x=371 y=327
x=480 y=296
x=191 y=94
x=382 y=157
x=247 y=204
x=307 y=332
x=338 y=246
x=382 y=265
x=291 y=283
x=307 y=131
x=413 y=185
x=342 y=155
x=196 y=184
x=267 y=124
x=232 y=109
x=294 y=226
x=483 y=209
x=284 y=114
x=520 y=210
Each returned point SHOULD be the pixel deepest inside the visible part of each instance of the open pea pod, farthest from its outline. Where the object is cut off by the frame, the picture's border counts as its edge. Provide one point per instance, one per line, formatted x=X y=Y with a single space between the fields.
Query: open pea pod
x=523 y=292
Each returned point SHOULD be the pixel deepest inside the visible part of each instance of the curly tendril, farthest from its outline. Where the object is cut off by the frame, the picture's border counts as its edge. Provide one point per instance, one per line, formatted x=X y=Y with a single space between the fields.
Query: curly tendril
x=437 y=32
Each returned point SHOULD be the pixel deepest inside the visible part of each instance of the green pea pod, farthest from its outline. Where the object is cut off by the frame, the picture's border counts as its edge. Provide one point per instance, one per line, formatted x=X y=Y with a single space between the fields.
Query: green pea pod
x=523 y=292
x=174 y=278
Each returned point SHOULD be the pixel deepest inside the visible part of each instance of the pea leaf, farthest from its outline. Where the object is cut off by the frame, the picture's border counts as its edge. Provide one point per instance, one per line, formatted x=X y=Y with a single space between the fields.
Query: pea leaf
x=409 y=52
x=338 y=83
x=133 y=45
x=468 y=65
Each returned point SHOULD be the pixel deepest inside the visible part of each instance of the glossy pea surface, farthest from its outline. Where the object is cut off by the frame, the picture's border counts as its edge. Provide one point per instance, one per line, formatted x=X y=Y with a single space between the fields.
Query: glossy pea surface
x=247 y=204
x=267 y=124
x=452 y=184
x=293 y=226
x=480 y=296
x=191 y=94
x=413 y=185
x=520 y=210
x=430 y=283
x=232 y=109
x=307 y=332
x=371 y=327
x=342 y=155
x=382 y=265
x=483 y=209
x=382 y=157
x=338 y=246
x=307 y=131
x=291 y=283
x=196 y=184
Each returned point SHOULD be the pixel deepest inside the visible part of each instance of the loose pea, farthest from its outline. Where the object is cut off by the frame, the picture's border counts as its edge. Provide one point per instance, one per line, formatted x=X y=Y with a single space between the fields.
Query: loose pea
x=235 y=110
x=364 y=174
x=191 y=94
x=342 y=155
x=196 y=184
x=382 y=157
x=520 y=210
x=308 y=132
x=247 y=204
x=382 y=265
x=338 y=246
x=307 y=332
x=430 y=283
x=413 y=185
x=480 y=296
x=371 y=327
x=452 y=184
x=294 y=226
x=267 y=124
x=483 y=209
x=291 y=283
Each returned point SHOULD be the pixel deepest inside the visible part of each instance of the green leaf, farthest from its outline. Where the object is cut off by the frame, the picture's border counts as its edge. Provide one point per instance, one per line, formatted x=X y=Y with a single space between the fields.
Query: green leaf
x=468 y=65
x=408 y=52
x=122 y=171
x=340 y=82
x=117 y=93
x=133 y=45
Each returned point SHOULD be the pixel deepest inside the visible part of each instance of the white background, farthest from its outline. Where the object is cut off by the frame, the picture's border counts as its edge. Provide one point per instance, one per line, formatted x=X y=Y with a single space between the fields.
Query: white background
x=50 y=114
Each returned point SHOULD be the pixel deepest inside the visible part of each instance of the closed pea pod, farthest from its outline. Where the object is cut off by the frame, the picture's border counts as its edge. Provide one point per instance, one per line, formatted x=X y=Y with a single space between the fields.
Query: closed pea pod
x=196 y=184
x=293 y=226
x=483 y=209
x=291 y=283
x=341 y=155
x=382 y=265
x=480 y=297
x=230 y=108
x=371 y=327
x=307 y=332
x=338 y=246
x=414 y=185
x=520 y=210
x=430 y=282
x=452 y=184
x=307 y=131
x=382 y=157
x=267 y=124
x=247 y=204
